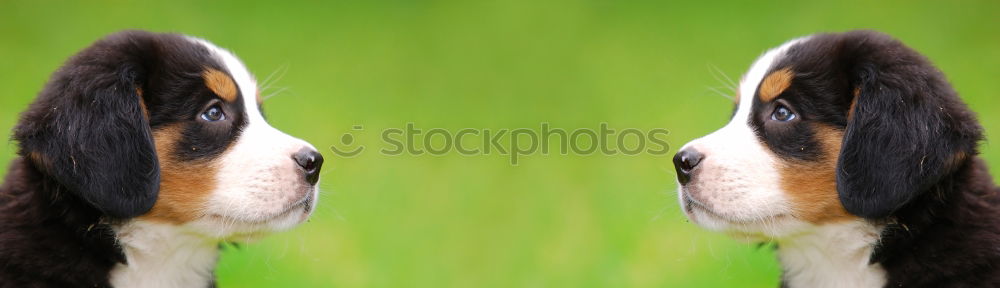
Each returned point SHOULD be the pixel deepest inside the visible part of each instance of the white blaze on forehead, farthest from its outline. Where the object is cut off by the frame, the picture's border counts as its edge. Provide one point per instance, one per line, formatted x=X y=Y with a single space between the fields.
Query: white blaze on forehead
x=244 y=80
x=751 y=80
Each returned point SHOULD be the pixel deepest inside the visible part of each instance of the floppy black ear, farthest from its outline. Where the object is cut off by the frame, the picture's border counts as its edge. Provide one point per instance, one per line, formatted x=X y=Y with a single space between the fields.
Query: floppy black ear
x=88 y=129
x=908 y=128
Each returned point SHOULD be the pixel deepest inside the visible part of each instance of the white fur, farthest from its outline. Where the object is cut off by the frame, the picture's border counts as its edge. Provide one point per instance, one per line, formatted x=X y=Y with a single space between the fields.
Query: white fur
x=832 y=255
x=164 y=255
x=259 y=190
x=737 y=190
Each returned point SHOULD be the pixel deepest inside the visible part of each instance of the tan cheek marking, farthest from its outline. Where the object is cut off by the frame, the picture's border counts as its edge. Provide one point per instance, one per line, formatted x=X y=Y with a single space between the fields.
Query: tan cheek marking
x=220 y=83
x=812 y=185
x=775 y=83
x=260 y=100
x=184 y=186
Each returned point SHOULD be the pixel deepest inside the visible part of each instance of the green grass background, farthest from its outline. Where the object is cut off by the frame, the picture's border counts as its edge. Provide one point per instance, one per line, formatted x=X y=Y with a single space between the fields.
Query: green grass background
x=460 y=221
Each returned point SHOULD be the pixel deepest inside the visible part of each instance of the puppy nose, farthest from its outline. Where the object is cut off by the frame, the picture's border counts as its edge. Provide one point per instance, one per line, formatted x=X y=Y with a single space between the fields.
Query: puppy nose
x=310 y=161
x=684 y=162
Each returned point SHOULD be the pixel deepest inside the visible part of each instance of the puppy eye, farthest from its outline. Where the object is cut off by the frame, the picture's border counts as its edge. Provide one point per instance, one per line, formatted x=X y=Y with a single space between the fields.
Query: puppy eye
x=783 y=114
x=213 y=114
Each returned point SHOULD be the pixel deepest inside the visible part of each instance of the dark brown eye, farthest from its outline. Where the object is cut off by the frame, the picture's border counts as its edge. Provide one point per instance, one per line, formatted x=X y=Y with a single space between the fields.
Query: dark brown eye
x=782 y=114
x=213 y=114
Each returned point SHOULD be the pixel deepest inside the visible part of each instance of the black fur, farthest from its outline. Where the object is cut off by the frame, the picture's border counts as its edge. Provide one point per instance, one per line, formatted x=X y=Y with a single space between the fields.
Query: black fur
x=88 y=131
x=87 y=158
x=909 y=128
x=50 y=237
x=948 y=236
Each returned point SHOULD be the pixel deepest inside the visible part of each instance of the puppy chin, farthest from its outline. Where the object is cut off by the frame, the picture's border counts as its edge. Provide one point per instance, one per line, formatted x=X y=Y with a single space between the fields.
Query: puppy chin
x=253 y=235
x=234 y=229
x=757 y=230
x=746 y=232
x=699 y=214
x=293 y=217
x=296 y=214
x=705 y=218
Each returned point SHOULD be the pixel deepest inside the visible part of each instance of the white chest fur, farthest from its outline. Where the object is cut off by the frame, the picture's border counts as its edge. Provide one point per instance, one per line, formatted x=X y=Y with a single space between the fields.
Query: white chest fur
x=163 y=255
x=833 y=255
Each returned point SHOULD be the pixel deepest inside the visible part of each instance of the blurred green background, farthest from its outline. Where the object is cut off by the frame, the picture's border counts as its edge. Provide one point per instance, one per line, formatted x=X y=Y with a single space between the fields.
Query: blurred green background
x=477 y=221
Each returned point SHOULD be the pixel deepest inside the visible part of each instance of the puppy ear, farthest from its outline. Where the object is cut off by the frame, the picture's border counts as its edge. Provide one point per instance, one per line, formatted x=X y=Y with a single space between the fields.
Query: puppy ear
x=88 y=128
x=907 y=128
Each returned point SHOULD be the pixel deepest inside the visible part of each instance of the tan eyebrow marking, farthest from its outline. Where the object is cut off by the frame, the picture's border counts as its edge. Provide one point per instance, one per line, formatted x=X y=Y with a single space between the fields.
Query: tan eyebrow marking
x=220 y=83
x=775 y=83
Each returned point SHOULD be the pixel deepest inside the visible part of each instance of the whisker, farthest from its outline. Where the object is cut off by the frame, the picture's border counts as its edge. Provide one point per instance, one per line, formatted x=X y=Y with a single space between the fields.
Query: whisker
x=713 y=89
x=275 y=93
x=271 y=79
x=728 y=81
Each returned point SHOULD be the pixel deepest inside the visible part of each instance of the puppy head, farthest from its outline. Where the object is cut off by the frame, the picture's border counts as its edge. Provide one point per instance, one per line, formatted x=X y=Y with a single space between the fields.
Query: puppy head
x=827 y=128
x=168 y=128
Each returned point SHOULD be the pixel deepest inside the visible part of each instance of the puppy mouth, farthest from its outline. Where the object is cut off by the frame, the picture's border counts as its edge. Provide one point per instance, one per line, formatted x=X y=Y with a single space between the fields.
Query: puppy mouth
x=303 y=205
x=692 y=204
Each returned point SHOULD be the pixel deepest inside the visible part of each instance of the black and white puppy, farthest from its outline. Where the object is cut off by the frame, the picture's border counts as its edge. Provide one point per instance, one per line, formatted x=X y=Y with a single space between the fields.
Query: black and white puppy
x=854 y=154
x=140 y=155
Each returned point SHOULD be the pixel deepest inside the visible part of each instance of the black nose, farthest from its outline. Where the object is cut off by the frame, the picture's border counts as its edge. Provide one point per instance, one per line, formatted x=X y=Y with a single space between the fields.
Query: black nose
x=685 y=161
x=310 y=161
